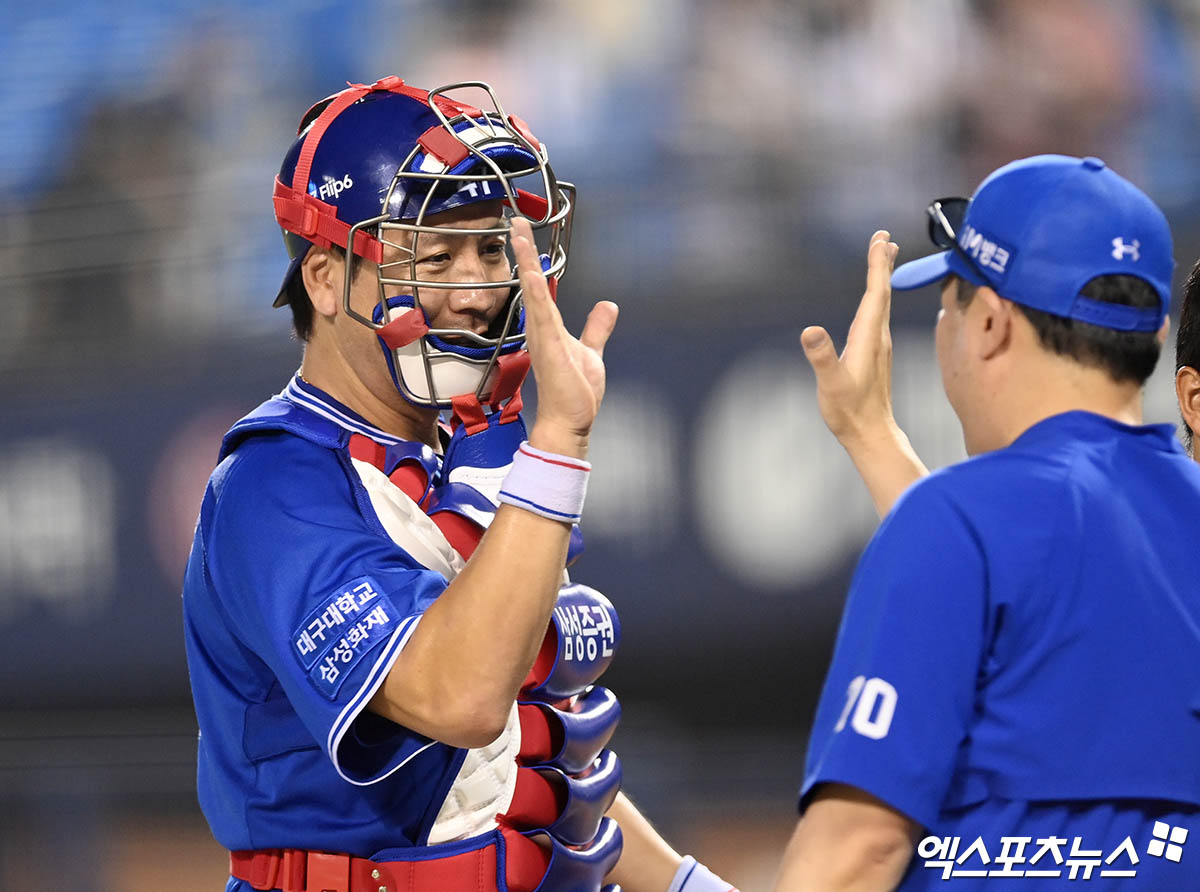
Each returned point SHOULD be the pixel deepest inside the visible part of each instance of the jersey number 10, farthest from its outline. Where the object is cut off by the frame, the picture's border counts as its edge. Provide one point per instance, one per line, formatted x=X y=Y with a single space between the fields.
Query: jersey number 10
x=876 y=704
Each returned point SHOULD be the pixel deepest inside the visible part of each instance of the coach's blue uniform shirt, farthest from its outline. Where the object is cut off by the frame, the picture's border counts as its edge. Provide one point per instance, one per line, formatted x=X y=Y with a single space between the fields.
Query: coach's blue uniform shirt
x=1020 y=654
x=296 y=603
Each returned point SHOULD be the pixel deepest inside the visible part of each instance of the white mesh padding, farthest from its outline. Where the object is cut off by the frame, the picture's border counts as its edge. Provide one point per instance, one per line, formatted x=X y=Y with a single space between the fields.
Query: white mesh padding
x=483 y=788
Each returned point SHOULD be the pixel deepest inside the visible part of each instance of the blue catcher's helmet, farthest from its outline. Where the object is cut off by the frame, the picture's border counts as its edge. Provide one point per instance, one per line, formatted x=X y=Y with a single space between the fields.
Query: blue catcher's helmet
x=369 y=166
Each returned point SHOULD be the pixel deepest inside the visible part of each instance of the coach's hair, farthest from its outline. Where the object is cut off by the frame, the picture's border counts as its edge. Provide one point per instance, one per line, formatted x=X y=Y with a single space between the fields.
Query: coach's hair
x=1187 y=341
x=1125 y=355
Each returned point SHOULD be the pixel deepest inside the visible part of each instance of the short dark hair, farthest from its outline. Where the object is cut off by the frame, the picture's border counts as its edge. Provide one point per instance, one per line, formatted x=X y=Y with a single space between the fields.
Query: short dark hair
x=1187 y=340
x=1125 y=355
x=301 y=306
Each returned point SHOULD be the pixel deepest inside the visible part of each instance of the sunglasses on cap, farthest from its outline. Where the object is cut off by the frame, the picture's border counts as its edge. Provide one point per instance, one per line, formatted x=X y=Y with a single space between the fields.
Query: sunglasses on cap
x=946 y=218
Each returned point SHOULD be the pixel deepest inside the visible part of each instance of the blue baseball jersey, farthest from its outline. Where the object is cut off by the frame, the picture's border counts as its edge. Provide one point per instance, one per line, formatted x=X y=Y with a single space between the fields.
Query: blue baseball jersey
x=1018 y=666
x=297 y=601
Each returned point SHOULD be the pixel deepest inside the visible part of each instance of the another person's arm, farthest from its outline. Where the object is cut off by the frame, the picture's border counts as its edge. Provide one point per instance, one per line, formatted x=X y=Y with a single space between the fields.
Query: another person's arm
x=854 y=391
x=847 y=841
x=649 y=864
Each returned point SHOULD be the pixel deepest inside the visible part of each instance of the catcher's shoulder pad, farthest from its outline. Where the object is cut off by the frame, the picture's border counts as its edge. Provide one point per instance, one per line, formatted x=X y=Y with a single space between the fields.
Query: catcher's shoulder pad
x=280 y=415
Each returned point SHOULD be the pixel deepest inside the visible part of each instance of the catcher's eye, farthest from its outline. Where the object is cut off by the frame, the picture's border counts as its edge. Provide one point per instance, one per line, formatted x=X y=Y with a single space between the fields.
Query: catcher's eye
x=441 y=257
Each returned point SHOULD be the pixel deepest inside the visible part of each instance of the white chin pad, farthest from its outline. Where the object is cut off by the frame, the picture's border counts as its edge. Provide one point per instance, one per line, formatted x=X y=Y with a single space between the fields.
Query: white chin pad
x=453 y=375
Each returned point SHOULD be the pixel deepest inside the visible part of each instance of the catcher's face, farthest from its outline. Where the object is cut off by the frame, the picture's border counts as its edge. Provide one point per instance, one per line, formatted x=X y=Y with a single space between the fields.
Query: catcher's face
x=350 y=351
x=448 y=256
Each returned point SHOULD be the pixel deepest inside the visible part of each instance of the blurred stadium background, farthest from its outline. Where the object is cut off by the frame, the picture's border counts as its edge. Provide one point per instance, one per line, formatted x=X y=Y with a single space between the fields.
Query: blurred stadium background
x=732 y=160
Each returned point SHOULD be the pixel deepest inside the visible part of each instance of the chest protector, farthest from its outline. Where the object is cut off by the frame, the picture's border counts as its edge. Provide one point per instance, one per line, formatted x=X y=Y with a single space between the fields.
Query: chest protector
x=526 y=812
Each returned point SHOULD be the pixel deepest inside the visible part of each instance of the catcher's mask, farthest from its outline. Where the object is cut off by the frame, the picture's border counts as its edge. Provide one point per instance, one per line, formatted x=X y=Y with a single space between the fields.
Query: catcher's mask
x=368 y=168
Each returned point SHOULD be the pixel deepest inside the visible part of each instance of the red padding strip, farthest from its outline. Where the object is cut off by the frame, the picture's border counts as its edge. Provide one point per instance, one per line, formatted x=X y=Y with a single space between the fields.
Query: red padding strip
x=512 y=369
x=404 y=329
x=393 y=84
x=443 y=145
x=410 y=476
x=532 y=205
x=538 y=737
x=512 y=409
x=317 y=221
x=522 y=128
x=460 y=532
x=344 y=99
x=525 y=862
x=536 y=803
x=365 y=449
x=468 y=410
x=546 y=658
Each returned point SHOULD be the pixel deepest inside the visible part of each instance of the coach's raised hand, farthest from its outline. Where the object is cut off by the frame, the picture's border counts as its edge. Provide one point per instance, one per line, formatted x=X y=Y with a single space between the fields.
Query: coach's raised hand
x=569 y=371
x=854 y=391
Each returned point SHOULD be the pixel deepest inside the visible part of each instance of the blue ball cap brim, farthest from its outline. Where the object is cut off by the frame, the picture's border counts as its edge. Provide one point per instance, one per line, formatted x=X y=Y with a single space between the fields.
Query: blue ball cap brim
x=922 y=272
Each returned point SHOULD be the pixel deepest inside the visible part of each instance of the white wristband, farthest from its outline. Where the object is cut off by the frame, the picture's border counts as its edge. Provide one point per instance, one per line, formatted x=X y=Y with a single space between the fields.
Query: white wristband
x=693 y=876
x=546 y=483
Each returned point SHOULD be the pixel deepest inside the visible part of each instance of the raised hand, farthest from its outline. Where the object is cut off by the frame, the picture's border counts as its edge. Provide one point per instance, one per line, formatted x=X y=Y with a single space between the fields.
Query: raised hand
x=569 y=371
x=854 y=391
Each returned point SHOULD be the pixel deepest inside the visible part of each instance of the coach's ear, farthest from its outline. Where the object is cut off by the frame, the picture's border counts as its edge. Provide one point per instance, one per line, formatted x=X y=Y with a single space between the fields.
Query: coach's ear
x=994 y=322
x=1187 y=390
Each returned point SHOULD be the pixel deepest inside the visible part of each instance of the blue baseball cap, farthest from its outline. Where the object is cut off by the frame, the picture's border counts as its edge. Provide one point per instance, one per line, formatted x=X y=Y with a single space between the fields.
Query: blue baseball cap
x=1039 y=229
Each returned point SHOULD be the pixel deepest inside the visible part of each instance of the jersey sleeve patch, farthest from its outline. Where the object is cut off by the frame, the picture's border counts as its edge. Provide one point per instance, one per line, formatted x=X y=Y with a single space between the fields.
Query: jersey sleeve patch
x=334 y=638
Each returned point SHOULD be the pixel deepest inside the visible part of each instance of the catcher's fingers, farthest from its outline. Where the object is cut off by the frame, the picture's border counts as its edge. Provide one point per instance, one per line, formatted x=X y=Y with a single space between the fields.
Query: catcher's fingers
x=600 y=323
x=818 y=348
x=541 y=315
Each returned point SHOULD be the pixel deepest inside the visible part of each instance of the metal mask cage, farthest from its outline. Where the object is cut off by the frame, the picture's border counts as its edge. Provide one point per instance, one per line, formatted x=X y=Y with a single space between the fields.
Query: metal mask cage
x=488 y=129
